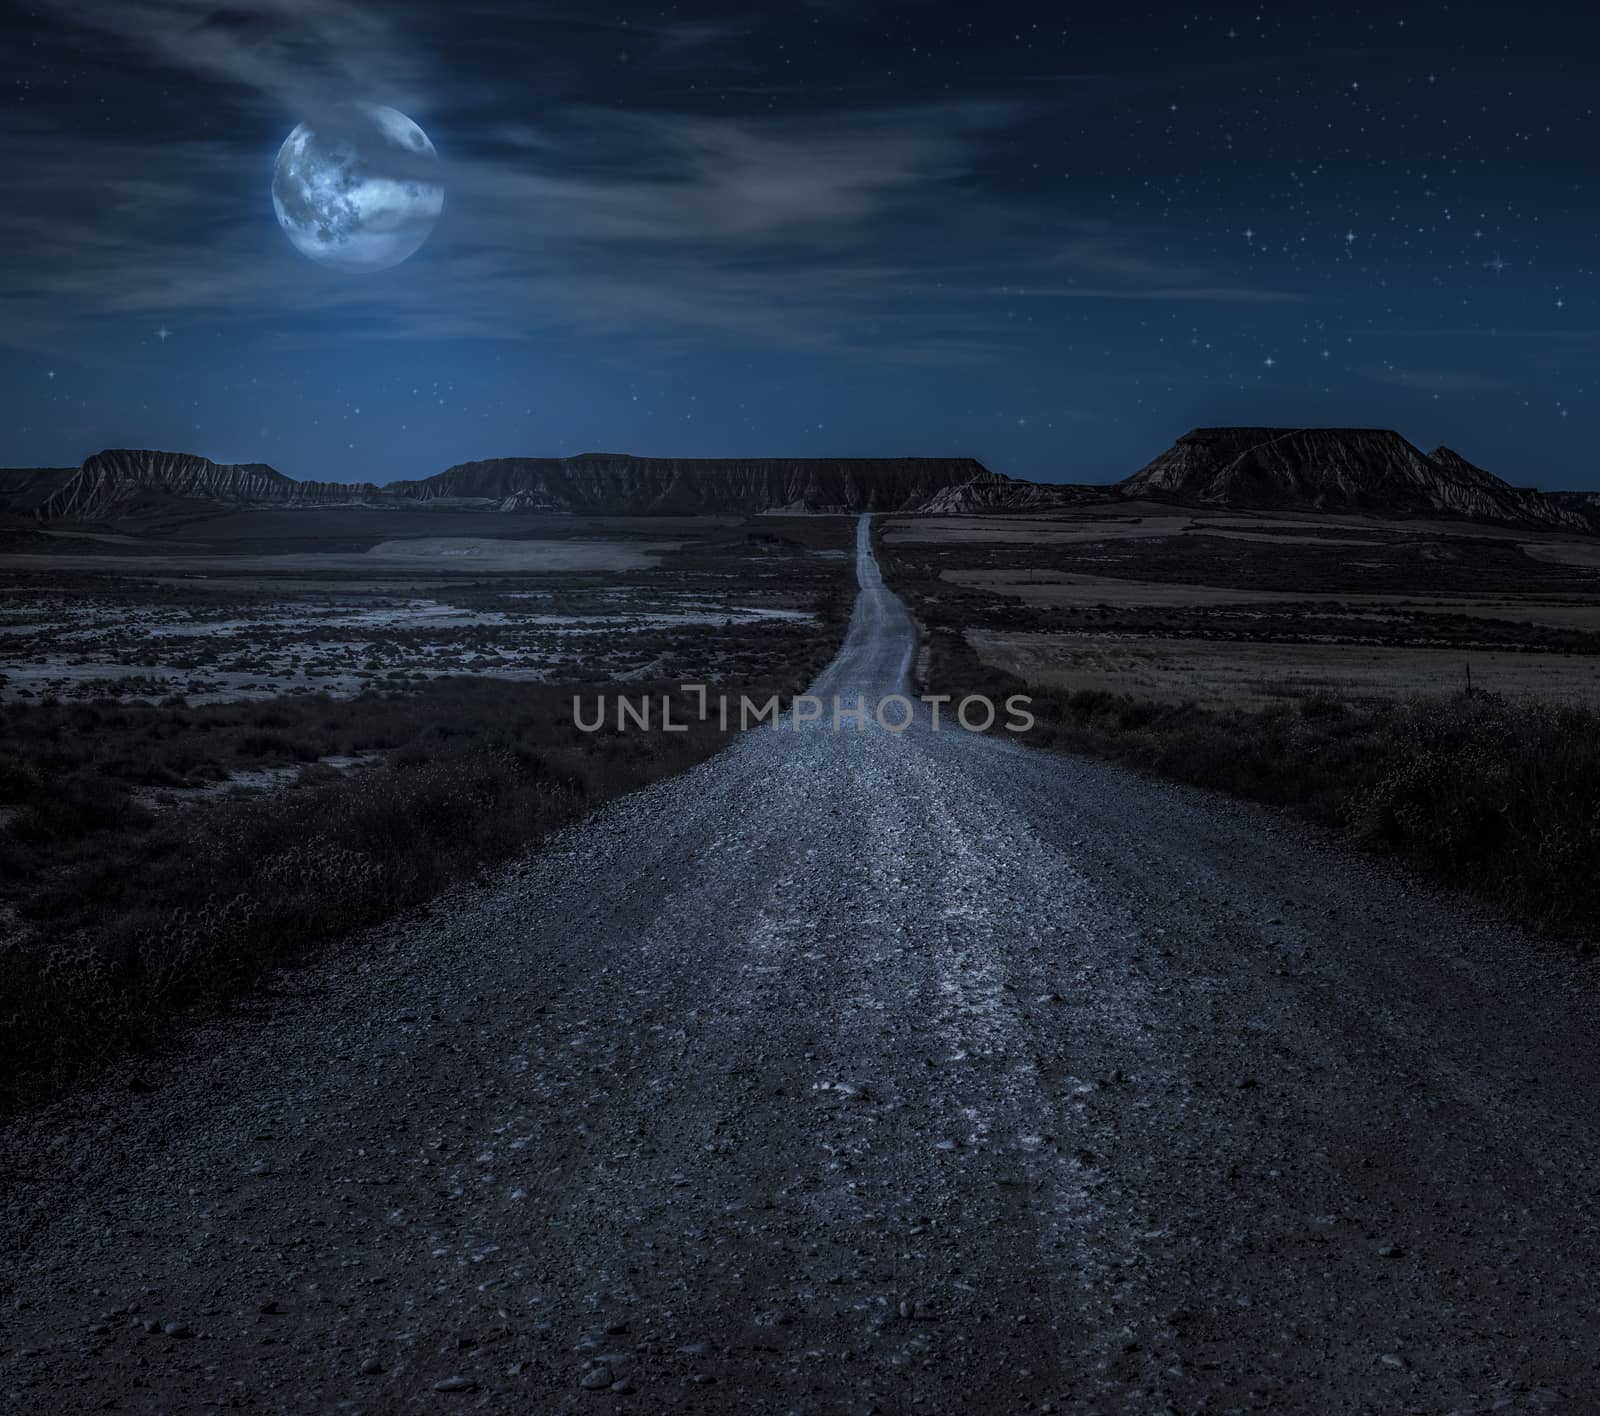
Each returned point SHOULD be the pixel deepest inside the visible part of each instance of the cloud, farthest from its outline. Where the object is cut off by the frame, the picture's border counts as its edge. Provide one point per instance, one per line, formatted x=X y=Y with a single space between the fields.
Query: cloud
x=851 y=228
x=308 y=55
x=660 y=177
x=763 y=231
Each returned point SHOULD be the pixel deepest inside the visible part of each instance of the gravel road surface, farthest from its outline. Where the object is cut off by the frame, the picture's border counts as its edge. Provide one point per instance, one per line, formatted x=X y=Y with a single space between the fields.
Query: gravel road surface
x=851 y=1072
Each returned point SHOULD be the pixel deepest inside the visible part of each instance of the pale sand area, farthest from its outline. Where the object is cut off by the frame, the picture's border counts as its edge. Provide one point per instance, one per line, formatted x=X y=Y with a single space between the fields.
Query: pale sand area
x=438 y=555
x=1253 y=675
x=1584 y=553
x=1060 y=590
x=1104 y=521
x=969 y=530
x=974 y=530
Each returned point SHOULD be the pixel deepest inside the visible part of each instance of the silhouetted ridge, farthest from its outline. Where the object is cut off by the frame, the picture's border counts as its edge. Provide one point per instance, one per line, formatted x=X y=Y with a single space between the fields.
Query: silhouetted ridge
x=1372 y=470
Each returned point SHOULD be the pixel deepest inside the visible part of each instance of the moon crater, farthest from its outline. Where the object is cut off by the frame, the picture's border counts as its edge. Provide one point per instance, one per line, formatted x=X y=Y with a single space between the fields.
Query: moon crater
x=359 y=193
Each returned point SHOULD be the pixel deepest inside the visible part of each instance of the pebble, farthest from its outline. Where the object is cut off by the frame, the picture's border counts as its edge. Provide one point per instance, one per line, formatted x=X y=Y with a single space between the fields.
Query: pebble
x=596 y=1379
x=372 y=1367
x=1390 y=1250
x=177 y=1329
x=456 y=1384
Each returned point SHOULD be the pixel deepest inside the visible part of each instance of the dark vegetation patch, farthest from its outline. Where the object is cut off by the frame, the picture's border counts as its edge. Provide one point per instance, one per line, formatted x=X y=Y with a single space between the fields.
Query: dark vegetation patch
x=134 y=892
x=1497 y=796
x=1484 y=567
x=1419 y=565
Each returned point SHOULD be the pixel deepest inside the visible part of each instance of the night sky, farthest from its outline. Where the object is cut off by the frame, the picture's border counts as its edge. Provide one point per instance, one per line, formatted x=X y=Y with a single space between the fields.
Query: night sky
x=1049 y=236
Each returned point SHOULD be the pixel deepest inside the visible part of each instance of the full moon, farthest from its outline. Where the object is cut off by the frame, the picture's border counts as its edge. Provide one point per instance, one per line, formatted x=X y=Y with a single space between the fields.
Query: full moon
x=361 y=195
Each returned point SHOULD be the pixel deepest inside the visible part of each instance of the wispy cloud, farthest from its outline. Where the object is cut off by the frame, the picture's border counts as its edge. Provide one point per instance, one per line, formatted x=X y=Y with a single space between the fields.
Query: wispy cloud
x=309 y=55
x=835 y=230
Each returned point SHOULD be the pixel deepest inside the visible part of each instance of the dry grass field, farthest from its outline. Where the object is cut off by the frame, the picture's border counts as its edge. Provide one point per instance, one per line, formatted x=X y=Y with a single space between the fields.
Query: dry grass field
x=1241 y=610
x=1319 y=664
x=1242 y=674
x=220 y=750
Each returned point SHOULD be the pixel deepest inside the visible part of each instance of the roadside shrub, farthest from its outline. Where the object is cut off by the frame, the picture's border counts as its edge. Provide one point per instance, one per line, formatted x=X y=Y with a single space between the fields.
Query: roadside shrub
x=133 y=927
x=1497 y=796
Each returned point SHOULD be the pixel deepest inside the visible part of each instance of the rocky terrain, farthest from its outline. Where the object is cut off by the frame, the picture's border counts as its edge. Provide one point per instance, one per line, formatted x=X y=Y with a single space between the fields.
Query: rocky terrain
x=1586 y=503
x=116 y=480
x=22 y=489
x=913 y=1072
x=601 y=483
x=1342 y=469
x=1370 y=470
x=120 y=482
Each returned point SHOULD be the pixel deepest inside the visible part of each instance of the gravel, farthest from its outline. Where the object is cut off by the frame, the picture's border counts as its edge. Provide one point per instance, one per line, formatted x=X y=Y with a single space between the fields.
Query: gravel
x=740 y=1097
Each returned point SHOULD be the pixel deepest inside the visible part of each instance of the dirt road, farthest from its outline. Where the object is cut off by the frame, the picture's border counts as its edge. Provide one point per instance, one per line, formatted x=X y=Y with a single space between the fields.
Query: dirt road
x=852 y=1072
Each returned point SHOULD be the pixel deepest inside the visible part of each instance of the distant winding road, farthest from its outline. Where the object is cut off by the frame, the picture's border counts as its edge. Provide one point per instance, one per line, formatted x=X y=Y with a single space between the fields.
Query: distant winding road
x=852 y=1072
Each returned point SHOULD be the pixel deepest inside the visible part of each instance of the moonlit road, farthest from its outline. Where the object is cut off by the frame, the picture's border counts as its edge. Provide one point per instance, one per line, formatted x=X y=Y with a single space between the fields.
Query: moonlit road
x=852 y=1072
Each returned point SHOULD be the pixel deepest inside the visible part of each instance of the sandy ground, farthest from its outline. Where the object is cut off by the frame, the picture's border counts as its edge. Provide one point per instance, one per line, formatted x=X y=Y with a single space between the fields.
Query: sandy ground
x=1584 y=553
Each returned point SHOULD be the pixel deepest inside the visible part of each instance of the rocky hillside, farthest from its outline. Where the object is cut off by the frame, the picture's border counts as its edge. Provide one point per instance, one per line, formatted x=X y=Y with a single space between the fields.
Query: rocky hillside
x=122 y=482
x=617 y=484
x=121 y=479
x=1370 y=470
x=1584 y=503
x=24 y=488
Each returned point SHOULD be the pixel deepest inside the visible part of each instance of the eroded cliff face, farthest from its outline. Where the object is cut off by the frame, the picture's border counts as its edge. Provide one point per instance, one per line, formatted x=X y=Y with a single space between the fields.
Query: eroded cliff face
x=115 y=480
x=1584 y=503
x=121 y=480
x=1339 y=469
x=24 y=488
x=1369 y=470
x=619 y=485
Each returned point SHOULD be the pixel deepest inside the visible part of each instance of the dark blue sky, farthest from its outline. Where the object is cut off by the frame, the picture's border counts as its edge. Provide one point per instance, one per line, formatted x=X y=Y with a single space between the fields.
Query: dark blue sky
x=1049 y=236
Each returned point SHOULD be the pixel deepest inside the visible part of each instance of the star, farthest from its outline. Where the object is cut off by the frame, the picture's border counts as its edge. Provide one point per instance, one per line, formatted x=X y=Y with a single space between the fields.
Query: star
x=1249 y=234
x=1269 y=361
x=1561 y=304
x=1349 y=238
x=163 y=334
x=51 y=374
